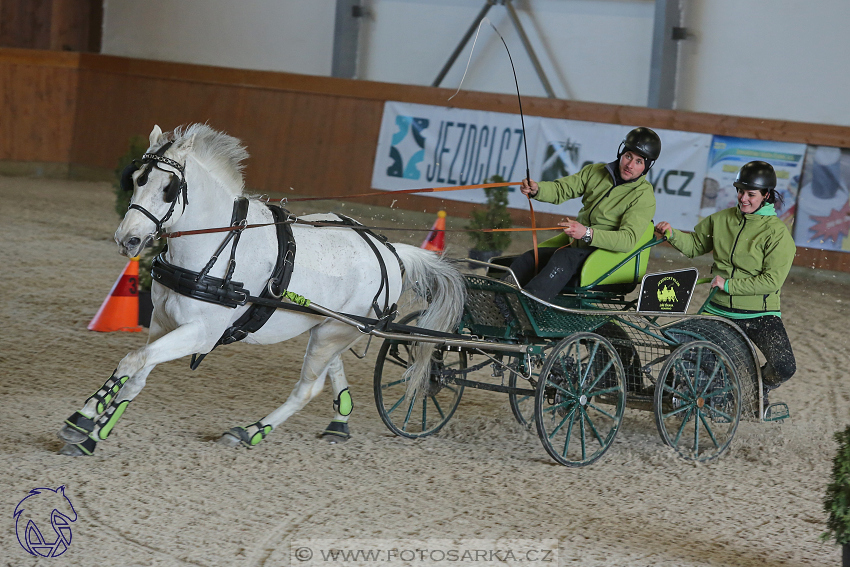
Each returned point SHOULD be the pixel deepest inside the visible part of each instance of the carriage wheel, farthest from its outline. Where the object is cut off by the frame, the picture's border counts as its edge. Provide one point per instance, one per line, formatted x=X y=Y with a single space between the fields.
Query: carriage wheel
x=428 y=411
x=698 y=401
x=580 y=399
x=734 y=345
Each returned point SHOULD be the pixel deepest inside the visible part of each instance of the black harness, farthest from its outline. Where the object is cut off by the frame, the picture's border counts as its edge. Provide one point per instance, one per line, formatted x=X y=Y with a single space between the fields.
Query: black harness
x=176 y=187
x=229 y=293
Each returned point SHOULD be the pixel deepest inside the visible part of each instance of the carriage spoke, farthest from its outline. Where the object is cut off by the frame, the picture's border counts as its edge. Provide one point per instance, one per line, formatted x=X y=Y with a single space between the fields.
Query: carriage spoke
x=710 y=380
x=569 y=416
x=391 y=384
x=437 y=406
x=424 y=413
x=592 y=428
x=668 y=388
x=682 y=427
x=686 y=377
x=583 y=437
x=602 y=411
x=601 y=373
x=569 y=434
x=395 y=405
x=409 y=412
x=590 y=364
x=696 y=432
x=709 y=431
x=718 y=413
x=610 y=390
x=677 y=411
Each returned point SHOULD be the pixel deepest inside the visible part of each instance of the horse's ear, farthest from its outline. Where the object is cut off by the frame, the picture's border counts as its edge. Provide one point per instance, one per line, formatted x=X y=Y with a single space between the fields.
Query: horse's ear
x=155 y=134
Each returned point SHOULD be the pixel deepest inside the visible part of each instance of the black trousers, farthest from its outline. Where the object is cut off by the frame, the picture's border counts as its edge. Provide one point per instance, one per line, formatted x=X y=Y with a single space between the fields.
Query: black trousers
x=558 y=266
x=768 y=334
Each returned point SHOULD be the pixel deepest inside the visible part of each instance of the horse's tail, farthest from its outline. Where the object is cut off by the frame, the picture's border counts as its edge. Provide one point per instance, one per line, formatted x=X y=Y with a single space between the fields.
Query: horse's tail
x=436 y=280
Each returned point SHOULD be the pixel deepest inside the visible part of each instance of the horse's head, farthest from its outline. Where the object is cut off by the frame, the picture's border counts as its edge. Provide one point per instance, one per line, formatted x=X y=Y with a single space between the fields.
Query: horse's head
x=158 y=183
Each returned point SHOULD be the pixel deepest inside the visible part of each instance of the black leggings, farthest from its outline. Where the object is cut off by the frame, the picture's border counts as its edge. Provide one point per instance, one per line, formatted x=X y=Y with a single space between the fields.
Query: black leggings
x=768 y=334
x=558 y=266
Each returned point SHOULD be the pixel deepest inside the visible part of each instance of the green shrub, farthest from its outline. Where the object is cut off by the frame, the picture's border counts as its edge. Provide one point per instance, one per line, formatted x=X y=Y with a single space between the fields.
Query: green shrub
x=495 y=215
x=837 y=501
x=138 y=145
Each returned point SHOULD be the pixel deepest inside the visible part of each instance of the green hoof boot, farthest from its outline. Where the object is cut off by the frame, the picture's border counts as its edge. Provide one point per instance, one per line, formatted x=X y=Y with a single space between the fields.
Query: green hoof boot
x=249 y=436
x=336 y=432
x=76 y=429
x=85 y=448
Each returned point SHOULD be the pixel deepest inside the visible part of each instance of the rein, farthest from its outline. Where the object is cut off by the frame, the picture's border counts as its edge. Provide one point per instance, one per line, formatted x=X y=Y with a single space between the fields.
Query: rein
x=294 y=220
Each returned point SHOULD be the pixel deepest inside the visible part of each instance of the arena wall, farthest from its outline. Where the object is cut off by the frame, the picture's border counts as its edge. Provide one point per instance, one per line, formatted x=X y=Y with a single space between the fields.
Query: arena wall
x=306 y=134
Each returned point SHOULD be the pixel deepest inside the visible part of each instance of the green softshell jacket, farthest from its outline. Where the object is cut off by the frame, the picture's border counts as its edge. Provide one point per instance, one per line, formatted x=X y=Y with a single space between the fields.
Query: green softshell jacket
x=618 y=215
x=753 y=252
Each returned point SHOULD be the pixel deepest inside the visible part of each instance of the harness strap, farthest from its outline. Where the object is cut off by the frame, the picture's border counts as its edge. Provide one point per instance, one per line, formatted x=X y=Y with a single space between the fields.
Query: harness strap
x=256 y=316
x=385 y=287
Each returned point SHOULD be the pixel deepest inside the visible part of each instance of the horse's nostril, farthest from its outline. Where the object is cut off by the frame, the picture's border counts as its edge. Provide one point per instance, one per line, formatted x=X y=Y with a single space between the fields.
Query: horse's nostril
x=133 y=242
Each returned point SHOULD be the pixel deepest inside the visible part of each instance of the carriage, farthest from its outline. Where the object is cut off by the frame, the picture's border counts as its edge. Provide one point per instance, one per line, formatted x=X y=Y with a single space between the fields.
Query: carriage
x=570 y=368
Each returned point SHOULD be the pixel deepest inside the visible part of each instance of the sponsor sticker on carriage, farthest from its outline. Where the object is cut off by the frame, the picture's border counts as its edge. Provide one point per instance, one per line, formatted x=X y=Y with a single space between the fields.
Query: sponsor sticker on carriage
x=392 y=552
x=667 y=292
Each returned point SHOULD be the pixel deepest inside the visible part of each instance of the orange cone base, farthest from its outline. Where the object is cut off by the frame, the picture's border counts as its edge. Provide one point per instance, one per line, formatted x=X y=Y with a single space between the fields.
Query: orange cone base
x=120 y=309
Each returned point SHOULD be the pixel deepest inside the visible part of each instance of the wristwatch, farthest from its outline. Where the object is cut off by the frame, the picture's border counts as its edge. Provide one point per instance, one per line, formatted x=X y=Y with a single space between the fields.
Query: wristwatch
x=588 y=235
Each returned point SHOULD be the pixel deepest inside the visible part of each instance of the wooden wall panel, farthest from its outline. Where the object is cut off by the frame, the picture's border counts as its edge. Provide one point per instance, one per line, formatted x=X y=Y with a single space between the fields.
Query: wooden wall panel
x=37 y=114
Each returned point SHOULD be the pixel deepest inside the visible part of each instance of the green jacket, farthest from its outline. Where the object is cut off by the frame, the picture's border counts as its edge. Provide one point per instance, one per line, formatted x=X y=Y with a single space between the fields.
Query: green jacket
x=618 y=215
x=753 y=252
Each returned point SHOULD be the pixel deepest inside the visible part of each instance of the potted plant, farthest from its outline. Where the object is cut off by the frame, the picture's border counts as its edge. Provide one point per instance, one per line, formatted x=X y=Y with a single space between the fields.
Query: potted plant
x=837 y=500
x=486 y=245
x=137 y=148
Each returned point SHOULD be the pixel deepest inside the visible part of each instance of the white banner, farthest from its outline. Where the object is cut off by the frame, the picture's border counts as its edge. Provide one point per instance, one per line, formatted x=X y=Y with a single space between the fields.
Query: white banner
x=422 y=146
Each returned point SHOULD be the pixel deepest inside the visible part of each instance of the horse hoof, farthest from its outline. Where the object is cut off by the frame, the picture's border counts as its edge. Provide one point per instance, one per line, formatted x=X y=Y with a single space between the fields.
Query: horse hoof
x=70 y=435
x=71 y=450
x=229 y=440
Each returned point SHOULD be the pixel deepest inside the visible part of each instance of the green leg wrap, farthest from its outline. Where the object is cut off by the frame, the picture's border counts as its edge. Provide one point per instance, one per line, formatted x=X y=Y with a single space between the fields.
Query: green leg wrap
x=343 y=403
x=108 y=420
x=108 y=391
x=251 y=435
x=80 y=423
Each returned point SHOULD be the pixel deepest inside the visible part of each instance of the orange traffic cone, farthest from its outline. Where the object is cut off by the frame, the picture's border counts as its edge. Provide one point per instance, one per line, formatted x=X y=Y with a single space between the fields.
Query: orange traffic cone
x=120 y=310
x=436 y=239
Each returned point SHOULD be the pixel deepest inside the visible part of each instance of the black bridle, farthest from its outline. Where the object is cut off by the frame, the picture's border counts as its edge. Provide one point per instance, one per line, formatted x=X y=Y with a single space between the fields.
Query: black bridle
x=176 y=187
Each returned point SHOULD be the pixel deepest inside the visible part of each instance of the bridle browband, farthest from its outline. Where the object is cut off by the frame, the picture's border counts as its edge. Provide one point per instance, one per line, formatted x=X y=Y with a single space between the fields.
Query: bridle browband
x=175 y=188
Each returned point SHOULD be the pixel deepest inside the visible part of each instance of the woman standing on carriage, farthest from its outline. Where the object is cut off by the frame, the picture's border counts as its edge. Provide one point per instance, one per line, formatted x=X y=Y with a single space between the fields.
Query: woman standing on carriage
x=618 y=203
x=753 y=251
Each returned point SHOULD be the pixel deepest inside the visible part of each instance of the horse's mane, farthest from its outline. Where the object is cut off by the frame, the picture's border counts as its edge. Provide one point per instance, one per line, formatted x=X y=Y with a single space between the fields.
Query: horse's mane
x=221 y=154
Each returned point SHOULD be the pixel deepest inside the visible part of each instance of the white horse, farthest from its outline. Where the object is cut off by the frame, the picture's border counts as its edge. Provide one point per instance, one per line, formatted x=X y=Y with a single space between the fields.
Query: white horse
x=189 y=180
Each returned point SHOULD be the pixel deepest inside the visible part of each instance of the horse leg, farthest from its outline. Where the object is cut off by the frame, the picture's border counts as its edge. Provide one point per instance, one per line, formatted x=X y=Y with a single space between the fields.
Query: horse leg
x=327 y=342
x=337 y=431
x=102 y=410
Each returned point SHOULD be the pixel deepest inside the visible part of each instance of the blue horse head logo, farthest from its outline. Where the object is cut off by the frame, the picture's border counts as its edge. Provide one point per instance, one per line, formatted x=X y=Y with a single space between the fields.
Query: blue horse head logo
x=45 y=506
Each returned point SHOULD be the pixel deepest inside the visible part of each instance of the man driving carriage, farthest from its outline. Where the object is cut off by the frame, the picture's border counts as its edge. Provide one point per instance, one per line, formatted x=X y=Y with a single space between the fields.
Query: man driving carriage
x=618 y=203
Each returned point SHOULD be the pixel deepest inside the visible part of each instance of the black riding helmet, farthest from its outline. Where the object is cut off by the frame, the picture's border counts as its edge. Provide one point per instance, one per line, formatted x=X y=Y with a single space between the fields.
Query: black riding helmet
x=644 y=142
x=758 y=175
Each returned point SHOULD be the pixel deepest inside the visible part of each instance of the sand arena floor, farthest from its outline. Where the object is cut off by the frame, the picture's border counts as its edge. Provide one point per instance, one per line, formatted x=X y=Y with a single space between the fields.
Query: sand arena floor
x=160 y=492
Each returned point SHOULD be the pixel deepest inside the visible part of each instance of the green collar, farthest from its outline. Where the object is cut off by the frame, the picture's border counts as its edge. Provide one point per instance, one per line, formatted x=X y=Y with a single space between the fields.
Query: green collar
x=766 y=210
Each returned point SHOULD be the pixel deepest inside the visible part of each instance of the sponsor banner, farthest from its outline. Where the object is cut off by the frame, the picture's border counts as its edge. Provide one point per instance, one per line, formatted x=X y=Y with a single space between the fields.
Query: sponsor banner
x=422 y=146
x=823 y=205
x=726 y=157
